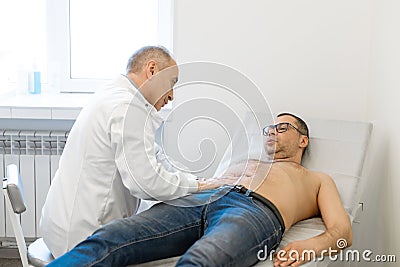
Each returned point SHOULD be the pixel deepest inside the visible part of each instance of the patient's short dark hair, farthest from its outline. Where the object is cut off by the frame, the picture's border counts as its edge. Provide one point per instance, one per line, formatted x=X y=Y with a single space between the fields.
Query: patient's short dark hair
x=300 y=124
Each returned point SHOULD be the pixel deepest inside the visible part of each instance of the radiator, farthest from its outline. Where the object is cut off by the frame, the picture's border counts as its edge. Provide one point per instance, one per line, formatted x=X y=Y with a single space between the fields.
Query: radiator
x=37 y=154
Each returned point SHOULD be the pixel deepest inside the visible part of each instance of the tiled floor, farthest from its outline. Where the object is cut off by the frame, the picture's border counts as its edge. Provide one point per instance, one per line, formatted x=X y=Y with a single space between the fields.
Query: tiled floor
x=9 y=257
x=10 y=263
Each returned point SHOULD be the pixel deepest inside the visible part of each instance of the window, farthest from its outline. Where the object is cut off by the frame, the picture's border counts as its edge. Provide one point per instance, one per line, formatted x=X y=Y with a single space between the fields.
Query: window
x=91 y=36
x=77 y=44
x=90 y=41
x=23 y=40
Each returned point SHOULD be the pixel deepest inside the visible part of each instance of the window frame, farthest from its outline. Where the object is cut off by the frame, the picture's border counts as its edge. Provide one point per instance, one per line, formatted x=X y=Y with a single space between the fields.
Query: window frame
x=58 y=45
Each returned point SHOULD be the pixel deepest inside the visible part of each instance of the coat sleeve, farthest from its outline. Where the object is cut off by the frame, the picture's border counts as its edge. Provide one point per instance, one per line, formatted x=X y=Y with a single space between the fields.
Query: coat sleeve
x=132 y=141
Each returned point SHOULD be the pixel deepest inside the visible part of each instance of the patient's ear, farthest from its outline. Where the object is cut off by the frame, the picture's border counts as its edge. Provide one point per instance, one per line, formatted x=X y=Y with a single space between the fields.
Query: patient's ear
x=303 y=141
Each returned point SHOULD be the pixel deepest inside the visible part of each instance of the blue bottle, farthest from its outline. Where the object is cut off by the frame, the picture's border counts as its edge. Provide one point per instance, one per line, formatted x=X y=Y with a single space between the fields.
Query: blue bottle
x=34 y=82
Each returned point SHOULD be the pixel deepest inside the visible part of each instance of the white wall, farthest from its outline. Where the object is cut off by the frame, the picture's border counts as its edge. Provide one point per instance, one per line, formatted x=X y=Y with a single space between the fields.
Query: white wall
x=308 y=57
x=380 y=228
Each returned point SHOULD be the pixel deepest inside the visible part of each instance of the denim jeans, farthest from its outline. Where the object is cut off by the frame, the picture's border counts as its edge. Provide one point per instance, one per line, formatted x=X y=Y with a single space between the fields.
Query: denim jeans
x=218 y=227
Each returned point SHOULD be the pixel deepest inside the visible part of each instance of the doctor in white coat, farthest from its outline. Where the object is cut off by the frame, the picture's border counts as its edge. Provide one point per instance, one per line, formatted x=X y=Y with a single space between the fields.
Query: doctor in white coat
x=109 y=160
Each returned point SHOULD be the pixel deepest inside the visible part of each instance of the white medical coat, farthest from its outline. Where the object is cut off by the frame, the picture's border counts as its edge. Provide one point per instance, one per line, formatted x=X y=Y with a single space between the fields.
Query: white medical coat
x=107 y=164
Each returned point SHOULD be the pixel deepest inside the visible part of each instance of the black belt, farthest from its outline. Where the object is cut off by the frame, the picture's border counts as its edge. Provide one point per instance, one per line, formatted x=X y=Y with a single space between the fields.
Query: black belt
x=243 y=190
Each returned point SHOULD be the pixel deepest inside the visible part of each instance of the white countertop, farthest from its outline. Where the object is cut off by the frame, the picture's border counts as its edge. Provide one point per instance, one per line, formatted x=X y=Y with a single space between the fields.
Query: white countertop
x=64 y=106
x=59 y=100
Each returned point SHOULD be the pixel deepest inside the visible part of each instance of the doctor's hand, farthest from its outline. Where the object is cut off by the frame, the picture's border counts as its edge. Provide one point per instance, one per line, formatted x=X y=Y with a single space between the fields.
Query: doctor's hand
x=211 y=183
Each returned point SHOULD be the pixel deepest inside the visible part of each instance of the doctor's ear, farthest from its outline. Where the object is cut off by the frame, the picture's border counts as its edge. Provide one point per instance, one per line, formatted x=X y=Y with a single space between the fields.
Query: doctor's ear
x=151 y=72
x=151 y=68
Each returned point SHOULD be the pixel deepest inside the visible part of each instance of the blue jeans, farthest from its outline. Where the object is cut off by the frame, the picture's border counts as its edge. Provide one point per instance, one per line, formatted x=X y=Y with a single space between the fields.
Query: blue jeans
x=218 y=227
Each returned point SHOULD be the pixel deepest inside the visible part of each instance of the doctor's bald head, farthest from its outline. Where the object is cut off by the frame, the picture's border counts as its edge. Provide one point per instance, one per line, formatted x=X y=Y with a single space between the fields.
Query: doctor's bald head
x=155 y=73
x=141 y=58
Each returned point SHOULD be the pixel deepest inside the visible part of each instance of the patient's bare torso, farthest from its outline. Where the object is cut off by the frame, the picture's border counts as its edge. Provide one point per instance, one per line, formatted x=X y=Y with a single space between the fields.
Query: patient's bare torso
x=292 y=188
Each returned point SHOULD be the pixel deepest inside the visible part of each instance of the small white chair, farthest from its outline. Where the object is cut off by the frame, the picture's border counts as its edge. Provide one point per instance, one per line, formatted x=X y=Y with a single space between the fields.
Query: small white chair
x=37 y=254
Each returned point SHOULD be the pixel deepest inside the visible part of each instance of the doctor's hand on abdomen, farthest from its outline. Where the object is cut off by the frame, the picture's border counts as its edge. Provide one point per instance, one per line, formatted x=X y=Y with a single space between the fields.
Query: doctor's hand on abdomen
x=211 y=183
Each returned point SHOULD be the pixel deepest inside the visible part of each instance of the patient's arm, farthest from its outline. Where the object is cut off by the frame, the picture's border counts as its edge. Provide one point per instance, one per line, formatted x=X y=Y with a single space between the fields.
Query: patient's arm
x=338 y=227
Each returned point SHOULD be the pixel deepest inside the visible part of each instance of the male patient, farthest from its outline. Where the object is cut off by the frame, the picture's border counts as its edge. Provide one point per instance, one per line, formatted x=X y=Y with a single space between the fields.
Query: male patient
x=231 y=224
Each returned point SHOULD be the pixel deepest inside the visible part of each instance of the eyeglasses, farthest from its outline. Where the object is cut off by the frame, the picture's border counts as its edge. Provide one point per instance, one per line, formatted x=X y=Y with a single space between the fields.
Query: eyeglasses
x=280 y=128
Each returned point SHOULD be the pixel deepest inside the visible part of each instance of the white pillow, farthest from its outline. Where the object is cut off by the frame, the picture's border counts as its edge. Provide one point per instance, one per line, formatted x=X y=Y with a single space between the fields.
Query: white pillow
x=347 y=186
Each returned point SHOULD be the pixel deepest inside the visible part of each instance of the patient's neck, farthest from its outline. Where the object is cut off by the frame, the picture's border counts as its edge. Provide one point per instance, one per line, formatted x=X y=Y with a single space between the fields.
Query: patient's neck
x=275 y=158
x=283 y=160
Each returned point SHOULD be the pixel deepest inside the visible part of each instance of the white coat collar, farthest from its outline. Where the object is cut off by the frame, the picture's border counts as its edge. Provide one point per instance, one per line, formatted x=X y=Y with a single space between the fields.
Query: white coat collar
x=124 y=81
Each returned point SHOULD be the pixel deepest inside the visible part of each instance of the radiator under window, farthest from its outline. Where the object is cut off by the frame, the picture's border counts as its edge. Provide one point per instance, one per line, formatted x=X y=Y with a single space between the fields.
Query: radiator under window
x=37 y=154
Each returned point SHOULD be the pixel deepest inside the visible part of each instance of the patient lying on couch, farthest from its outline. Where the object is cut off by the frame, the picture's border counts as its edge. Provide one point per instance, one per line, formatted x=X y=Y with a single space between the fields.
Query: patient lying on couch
x=233 y=224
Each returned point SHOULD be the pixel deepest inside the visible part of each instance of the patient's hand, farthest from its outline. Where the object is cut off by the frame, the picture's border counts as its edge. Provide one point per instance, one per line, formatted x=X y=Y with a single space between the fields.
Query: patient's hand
x=292 y=254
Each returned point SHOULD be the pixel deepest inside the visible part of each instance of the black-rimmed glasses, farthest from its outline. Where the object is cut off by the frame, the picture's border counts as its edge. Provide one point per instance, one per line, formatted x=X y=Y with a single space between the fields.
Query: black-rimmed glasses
x=280 y=128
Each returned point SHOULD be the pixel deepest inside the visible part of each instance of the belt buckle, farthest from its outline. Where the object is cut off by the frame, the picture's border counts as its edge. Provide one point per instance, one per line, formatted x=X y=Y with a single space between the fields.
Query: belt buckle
x=238 y=188
x=242 y=190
